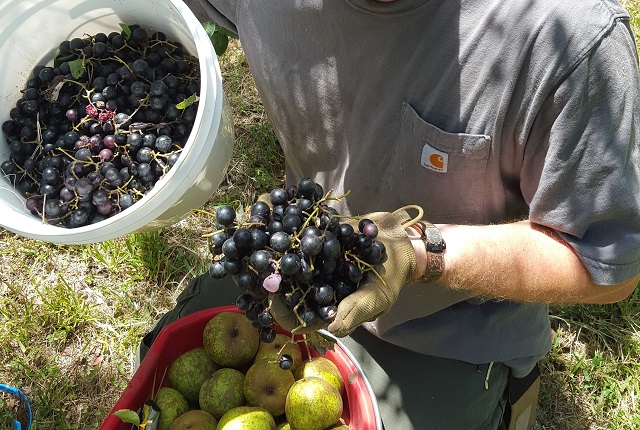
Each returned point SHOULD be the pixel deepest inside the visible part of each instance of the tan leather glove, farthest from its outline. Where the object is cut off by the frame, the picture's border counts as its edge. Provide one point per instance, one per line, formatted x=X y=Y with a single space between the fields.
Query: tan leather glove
x=375 y=296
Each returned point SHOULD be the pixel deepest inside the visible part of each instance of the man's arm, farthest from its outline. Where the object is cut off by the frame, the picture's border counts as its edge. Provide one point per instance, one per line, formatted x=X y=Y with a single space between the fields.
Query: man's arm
x=520 y=261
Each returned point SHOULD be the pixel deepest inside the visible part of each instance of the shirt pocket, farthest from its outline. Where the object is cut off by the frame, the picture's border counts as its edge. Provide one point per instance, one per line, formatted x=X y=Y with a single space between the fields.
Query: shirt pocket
x=440 y=171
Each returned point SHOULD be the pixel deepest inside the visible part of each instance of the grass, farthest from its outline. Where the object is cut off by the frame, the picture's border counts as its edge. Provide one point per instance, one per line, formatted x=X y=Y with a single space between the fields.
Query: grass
x=72 y=316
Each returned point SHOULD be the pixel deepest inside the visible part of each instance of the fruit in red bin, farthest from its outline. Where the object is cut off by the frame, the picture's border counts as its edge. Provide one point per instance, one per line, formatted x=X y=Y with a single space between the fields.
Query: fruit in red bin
x=188 y=372
x=172 y=404
x=280 y=346
x=321 y=367
x=313 y=404
x=266 y=385
x=223 y=391
x=195 y=420
x=230 y=339
x=245 y=418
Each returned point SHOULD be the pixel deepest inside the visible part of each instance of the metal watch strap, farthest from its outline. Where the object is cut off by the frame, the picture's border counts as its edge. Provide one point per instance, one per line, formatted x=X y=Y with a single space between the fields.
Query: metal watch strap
x=435 y=247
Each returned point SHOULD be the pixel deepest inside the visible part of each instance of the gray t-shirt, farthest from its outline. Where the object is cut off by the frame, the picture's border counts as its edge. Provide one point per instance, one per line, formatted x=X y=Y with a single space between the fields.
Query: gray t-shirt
x=480 y=111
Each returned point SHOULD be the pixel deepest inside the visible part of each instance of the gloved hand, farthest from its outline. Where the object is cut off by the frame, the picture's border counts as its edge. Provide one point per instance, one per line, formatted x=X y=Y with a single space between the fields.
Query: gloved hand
x=374 y=297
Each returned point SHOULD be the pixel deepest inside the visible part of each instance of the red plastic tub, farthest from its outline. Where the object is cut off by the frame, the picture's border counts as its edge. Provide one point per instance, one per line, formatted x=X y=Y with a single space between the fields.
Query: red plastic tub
x=360 y=407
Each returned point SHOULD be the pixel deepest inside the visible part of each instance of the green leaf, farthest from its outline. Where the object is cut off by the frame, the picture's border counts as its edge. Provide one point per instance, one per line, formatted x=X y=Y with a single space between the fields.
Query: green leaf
x=77 y=68
x=126 y=30
x=220 y=42
x=128 y=416
x=210 y=28
x=228 y=33
x=188 y=101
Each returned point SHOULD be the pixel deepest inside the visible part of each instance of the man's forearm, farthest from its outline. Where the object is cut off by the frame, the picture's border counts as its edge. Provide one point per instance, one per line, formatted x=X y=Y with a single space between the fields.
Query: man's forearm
x=521 y=261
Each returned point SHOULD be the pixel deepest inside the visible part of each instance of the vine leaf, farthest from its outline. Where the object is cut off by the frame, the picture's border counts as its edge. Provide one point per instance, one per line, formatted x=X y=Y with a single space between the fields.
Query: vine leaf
x=128 y=416
x=77 y=68
x=126 y=29
x=188 y=101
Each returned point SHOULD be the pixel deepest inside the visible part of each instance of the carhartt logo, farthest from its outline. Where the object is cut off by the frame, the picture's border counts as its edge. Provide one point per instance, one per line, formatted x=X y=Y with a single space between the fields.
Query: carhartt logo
x=433 y=159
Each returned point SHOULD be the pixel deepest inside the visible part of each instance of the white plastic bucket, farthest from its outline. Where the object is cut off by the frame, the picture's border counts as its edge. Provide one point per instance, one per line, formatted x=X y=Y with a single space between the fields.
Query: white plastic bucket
x=30 y=32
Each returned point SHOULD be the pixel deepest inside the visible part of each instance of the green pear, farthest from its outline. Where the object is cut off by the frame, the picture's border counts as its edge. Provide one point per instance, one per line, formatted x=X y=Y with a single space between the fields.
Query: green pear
x=313 y=404
x=188 y=372
x=323 y=368
x=247 y=418
x=172 y=404
x=266 y=385
x=280 y=346
x=230 y=339
x=224 y=390
x=195 y=420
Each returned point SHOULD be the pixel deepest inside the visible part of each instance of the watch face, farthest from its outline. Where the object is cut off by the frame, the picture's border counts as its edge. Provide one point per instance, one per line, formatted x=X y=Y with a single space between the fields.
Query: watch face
x=435 y=242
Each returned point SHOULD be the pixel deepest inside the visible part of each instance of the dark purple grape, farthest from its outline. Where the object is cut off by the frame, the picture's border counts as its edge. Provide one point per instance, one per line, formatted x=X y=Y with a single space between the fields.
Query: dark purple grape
x=216 y=270
x=244 y=301
x=352 y=272
x=242 y=238
x=307 y=316
x=323 y=294
x=261 y=261
x=278 y=196
x=285 y=361
x=291 y=223
x=311 y=244
x=247 y=280
x=370 y=230
x=261 y=208
x=306 y=187
x=225 y=215
x=280 y=241
x=290 y=264
x=331 y=248
x=328 y=313
x=362 y=223
x=259 y=239
x=267 y=334
x=266 y=318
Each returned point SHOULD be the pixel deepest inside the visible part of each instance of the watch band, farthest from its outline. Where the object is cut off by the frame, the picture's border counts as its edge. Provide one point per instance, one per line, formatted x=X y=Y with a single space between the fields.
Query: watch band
x=435 y=247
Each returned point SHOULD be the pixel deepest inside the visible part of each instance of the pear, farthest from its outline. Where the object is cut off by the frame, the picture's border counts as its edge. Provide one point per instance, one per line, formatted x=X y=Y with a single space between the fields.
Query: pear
x=323 y=368
x=188 y=372
x=224 y=390
x=172 y=404
x=195 y=420
x=247 y=418
x=230 y=339
x=313 y=404
x=266 y=385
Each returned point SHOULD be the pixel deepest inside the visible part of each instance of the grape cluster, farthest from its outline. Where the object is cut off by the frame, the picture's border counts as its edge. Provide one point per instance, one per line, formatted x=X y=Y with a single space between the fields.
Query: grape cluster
x=93 y=133
x=297 y=248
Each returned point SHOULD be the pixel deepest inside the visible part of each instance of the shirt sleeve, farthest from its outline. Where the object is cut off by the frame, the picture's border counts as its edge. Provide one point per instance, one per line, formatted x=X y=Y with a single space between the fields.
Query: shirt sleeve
x=223 y=12
x=581 y=171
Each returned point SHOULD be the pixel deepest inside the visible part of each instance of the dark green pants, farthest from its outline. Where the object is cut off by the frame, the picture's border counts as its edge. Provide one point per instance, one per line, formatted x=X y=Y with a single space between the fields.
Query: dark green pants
x=414 y=391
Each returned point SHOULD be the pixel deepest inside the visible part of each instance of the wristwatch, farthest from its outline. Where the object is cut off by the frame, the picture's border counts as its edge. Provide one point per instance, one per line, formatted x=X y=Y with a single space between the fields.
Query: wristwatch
x=435 y=246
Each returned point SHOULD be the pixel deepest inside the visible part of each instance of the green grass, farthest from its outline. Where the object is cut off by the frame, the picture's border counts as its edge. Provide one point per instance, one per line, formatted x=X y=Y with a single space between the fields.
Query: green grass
x=72 y=316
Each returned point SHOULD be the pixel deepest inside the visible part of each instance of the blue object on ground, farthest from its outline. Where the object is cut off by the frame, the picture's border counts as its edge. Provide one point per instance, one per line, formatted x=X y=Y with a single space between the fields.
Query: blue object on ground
x=17 y=425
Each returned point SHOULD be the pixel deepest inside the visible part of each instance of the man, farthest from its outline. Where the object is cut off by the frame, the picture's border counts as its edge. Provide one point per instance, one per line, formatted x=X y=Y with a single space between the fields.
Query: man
x=512 y=124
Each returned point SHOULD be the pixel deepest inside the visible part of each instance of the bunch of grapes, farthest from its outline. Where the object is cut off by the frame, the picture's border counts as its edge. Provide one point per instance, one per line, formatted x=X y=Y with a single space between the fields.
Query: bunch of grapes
x=297 y=248
x=95 y=131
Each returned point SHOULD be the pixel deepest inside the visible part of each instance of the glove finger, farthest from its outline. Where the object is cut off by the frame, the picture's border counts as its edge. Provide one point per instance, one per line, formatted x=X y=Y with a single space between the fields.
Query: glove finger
x=354 y=310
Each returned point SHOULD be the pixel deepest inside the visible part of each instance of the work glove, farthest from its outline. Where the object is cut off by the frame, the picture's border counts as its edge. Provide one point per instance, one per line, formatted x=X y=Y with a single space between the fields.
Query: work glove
x=376 y=294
